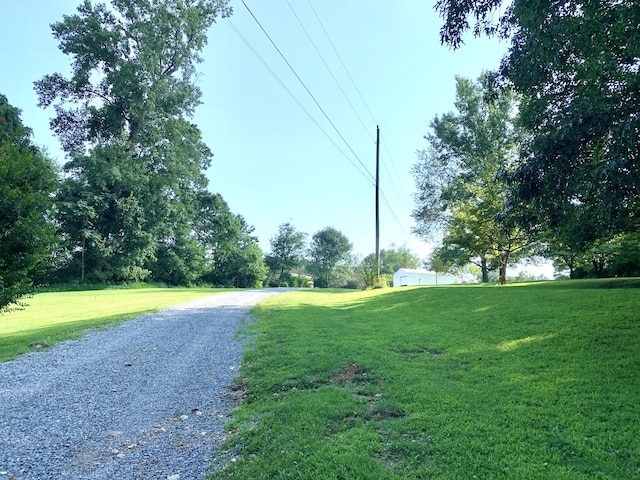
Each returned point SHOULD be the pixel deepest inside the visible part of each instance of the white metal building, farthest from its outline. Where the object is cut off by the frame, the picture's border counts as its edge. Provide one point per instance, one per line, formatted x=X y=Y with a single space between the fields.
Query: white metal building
x=405 y=277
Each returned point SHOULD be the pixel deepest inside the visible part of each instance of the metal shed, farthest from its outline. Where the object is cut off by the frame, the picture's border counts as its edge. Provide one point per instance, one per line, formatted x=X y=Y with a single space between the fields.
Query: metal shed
x=406 y=277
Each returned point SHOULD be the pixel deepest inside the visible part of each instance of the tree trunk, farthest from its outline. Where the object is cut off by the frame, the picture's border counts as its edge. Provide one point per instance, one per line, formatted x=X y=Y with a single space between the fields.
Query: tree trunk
x=503 y=273
x=84 y=241
x=485 y=270
x=503 y=268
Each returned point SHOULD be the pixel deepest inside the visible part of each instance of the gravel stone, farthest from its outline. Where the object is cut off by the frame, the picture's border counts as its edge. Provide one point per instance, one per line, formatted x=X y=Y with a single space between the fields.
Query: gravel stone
x=144 y=400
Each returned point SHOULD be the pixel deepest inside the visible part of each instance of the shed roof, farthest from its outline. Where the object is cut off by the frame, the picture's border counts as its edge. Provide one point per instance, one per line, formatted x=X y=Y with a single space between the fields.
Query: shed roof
x=420 y=271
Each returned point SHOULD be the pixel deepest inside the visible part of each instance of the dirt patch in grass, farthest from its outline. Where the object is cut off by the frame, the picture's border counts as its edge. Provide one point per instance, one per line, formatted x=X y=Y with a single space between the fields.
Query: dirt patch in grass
x=349 y=375
x=238 y=389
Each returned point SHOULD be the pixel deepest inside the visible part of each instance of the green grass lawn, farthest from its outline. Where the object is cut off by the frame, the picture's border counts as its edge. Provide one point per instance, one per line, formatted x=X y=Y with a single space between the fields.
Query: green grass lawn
x=55 y=316
x=538 y=381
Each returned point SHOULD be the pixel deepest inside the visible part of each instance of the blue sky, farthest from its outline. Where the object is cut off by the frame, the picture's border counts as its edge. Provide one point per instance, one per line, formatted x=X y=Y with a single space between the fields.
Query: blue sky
x=273 y=163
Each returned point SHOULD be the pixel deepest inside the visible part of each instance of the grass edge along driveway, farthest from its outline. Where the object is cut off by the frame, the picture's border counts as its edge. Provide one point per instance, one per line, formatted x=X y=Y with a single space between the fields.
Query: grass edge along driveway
x=534 y=381
x=51 y=317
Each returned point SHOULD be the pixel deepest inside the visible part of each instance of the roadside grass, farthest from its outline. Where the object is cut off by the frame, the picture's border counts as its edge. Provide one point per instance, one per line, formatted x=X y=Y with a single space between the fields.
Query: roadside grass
x=528 y=381
x=50 y=317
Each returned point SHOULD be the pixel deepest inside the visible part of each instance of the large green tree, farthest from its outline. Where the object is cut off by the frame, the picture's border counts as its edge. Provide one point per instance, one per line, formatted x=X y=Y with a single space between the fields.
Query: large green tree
x=136 y=160
x=391 y=259
x=329 y=256
x=28 y=179
x=461 y=177
x=576 y=64
x=233 y=256
x=288 y=248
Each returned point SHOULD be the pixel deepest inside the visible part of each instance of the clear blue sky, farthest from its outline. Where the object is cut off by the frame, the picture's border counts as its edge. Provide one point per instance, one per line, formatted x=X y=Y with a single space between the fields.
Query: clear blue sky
x=272 y=163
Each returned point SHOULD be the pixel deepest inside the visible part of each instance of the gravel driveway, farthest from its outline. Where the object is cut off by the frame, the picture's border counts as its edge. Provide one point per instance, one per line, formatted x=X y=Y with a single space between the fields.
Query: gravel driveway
x=144 y=400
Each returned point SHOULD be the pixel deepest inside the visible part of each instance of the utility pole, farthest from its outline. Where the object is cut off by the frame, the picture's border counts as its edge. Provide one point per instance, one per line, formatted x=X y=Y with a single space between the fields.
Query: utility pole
x=378 y=204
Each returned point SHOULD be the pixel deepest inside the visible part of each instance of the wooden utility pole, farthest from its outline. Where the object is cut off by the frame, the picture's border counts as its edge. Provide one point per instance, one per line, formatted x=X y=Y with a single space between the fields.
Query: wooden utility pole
x=378 y=204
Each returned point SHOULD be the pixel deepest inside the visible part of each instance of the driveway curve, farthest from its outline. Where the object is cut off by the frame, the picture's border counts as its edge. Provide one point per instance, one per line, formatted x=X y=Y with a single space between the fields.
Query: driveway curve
x=144 y=400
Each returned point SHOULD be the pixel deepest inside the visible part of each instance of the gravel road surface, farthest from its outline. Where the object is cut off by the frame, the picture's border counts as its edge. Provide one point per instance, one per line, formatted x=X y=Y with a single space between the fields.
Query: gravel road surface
x=144 y=400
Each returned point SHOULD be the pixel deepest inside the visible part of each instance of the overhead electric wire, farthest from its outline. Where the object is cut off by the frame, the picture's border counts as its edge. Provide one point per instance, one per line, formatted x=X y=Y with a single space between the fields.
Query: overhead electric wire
x=395 y=171
x=346 y=97
x=393 y=214
x=366 y=172
x=386 y=201
x=282 y=84
x=308 y=91
x=342 y=62
x=355 y=86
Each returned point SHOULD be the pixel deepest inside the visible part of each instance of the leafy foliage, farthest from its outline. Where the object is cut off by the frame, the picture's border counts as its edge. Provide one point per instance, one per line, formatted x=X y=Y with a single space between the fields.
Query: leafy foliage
x=28 y=179
x=233 y=256
x=136 y=160
x=329 y=257
x=576 y=64
x=287 y=252
x=461 y=178
x=391 y=259
x=582 y=108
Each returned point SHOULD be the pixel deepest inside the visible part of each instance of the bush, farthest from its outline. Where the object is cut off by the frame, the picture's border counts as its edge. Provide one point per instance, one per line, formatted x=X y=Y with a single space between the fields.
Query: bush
x=320 y=282
x=383 y=282
x=353 y=285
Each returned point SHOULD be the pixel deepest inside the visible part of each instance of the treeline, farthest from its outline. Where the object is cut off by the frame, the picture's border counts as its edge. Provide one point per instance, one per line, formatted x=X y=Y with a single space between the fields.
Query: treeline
x=98 y=223
x=326 y=261
x=542 y=157
x=538 y=159
x=131 y=203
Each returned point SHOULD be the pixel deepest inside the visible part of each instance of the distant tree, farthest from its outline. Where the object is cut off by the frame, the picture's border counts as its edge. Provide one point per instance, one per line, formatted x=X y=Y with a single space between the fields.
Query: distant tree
x=576 y=65
x=233 y=257
x=627 y=258
x=617 y=257
x=329 y=254
x=391 y=259
x=436 y=262
x=179 y=260
x=462 y=178
x=368 y=271
x=287 y=251
x=394 y=258
x=217 y=230
x=248 y=267
x=28 y=179
x=136 y=161
x=104 y=213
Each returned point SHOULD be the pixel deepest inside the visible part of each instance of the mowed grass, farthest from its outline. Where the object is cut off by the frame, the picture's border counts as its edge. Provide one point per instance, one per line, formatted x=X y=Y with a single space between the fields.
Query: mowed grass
x=538 y=381
x=48 y=318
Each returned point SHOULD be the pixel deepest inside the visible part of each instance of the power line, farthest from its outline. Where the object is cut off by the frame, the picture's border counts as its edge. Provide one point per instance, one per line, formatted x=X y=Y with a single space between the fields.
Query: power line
x=393 y=214
x=346 y=97
x=307 y=90
x=342 y=62
x=366 y=106
x=366 y=173
x=284 y=86
x=395 y=171
x=386 y=201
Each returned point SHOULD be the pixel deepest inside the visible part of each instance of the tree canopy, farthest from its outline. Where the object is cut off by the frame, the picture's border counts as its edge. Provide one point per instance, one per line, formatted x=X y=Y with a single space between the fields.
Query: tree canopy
x=461 y=178
x=328 y=253
x=232 y=254
x=136 y=161
x=288 y=248
x=576 y=65
x=391 y=259
x=28 y=179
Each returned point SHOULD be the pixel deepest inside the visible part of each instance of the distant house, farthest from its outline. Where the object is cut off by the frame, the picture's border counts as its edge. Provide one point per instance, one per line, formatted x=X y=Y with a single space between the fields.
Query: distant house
x=409 y=277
